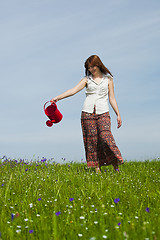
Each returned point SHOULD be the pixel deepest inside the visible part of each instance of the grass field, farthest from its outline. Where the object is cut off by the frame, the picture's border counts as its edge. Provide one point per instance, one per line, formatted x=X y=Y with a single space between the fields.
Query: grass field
x=46 y=200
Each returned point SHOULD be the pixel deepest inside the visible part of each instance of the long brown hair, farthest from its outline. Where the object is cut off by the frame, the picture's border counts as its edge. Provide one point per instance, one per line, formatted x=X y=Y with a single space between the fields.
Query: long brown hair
x=95 y=61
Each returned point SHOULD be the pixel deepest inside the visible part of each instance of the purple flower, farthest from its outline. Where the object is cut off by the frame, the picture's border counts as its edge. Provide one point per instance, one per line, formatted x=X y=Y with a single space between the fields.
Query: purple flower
x=116 y=200
x=39 y=199
x=119 y=223
x=30 y=231
x=71 y=199
x=147 y=210
x=43 y=160
x=26 y=170
x=12 y=216
x=2 y=184
x=58 y=213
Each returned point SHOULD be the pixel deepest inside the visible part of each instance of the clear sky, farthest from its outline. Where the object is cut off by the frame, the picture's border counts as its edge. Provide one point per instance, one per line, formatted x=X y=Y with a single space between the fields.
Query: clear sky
x=43 y=47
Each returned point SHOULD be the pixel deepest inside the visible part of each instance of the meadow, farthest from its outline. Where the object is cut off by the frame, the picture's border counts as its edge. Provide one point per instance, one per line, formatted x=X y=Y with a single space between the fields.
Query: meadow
x=46 y=200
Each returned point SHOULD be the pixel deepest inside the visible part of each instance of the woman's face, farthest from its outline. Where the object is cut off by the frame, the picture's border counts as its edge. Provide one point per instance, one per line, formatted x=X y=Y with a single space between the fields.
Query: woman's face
x=94 y=70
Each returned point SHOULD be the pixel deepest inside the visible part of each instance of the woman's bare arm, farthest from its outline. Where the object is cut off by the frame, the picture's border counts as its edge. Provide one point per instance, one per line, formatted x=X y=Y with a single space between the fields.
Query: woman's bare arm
x=71 y=91
x=113 y=101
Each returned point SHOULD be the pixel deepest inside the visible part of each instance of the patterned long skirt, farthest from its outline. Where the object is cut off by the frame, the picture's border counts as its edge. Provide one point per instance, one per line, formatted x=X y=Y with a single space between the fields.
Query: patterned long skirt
x=100 y=147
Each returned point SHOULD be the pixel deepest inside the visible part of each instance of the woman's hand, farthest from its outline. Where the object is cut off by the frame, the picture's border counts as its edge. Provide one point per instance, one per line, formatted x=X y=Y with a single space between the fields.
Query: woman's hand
x=53 y=100
x=119 y=121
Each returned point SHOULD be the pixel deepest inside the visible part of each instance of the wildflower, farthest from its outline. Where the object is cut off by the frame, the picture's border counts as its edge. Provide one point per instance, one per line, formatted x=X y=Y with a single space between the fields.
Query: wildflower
x=39 y=199
x=80 y=235
x=147 y=210
x=26 y=219
x=12 y=216
x=58 y=213
x=82 y=217
x=2 y=184
x=104 y=236
x=17 y=214
x=71 y=199
x=31 y=205
x=119 y=223
x=18 y=231
x=26 y=170
x=43 y=160
x=30 y=231
x=116 y=200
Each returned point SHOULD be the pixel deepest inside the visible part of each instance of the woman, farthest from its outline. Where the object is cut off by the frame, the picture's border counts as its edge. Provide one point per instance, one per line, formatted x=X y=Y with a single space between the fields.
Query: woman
x=100 y=147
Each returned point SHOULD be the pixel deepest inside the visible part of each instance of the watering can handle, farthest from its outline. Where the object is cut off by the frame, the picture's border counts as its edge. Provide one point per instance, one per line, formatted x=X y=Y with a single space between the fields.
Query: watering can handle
x=49 y=102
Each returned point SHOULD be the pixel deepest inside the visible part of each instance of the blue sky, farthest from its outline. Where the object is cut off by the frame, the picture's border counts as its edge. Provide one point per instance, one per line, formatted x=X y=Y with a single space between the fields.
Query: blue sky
x=43 y=47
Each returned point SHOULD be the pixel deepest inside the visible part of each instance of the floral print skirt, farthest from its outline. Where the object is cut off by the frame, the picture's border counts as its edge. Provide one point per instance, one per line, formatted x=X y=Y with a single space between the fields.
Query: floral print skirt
x=100 y=147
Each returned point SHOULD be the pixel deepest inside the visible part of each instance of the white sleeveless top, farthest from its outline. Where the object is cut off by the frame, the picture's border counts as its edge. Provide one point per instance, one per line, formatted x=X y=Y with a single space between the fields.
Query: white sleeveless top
x=96 y=96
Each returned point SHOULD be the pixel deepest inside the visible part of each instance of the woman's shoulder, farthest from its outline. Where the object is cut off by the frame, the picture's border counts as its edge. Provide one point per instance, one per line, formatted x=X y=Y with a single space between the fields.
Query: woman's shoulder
x=109 y=77
x=85 y=79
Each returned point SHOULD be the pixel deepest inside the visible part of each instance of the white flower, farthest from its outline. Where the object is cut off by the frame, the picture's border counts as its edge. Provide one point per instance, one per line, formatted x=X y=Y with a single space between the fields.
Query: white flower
x=82 y=217
x=26 y=219
x=95 y=222
x=80 y=235
x=31 y=205
x=104 y=236
x=18 y=231
x=112 y=205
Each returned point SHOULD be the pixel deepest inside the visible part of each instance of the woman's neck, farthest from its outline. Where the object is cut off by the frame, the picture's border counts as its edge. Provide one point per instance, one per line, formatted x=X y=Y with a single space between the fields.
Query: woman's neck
x=98 y=75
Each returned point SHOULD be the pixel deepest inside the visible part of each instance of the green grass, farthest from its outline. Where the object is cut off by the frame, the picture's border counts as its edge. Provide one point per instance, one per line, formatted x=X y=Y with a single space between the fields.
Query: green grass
x=32 y=195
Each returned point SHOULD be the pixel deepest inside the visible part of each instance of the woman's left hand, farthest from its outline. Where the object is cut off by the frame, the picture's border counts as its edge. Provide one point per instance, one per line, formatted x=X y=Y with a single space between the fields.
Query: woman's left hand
x=119 y=121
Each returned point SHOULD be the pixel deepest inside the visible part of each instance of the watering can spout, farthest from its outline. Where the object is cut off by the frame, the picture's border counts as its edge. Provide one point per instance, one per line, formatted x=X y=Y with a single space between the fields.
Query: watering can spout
x=52 y=113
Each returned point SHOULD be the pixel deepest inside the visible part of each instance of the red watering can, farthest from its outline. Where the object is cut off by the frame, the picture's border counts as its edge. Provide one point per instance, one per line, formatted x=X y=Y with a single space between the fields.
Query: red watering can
x=52 y=113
